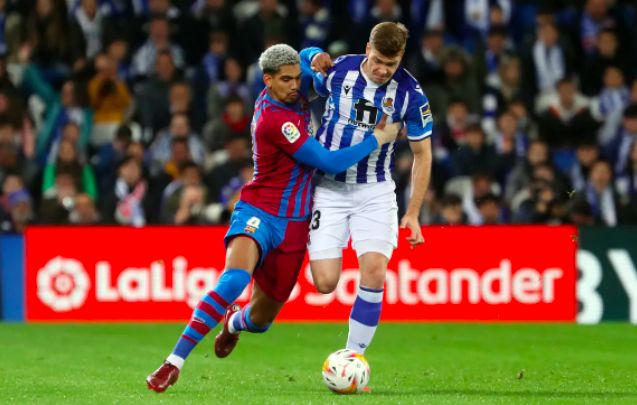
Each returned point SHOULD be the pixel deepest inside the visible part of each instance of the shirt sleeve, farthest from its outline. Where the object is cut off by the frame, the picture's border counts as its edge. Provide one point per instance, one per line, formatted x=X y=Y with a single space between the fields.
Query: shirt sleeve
x=286 y=134
x=308 y=75
x=335 y=161
x=418 y=118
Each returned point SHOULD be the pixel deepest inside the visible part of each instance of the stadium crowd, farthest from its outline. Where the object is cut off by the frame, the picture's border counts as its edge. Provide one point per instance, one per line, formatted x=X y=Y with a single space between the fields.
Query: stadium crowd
x=138 y=112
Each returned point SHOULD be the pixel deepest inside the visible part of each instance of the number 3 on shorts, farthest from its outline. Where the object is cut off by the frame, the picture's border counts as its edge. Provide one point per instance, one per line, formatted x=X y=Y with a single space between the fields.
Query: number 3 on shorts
x=316 y=220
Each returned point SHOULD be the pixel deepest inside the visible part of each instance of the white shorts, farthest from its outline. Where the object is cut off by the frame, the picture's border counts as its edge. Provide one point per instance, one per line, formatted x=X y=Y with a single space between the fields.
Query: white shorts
x=367 y=212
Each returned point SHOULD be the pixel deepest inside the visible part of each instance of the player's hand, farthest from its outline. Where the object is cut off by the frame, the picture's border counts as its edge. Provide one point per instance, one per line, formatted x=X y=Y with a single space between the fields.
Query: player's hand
x=386 y=133
x=322 y=62
x=411 y=222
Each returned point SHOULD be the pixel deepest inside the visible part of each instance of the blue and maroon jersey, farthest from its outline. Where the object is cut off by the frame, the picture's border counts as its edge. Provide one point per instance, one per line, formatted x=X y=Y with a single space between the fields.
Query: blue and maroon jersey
x=280 y=185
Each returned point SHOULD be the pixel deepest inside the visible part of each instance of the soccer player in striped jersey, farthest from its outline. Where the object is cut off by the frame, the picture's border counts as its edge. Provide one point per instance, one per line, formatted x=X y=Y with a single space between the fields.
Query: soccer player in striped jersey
x=269 y=226
x=360 y=202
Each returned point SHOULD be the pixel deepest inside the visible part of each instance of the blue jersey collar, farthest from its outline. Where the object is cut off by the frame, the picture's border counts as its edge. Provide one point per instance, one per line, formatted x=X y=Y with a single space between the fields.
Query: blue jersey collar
x=293 y=107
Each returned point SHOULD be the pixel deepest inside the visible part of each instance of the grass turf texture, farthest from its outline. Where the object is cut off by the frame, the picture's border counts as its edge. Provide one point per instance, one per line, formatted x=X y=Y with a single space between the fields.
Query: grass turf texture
x=411 y=363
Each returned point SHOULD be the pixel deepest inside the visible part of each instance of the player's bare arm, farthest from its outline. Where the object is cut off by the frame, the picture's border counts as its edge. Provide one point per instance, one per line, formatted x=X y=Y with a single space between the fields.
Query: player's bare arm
x=420 y=176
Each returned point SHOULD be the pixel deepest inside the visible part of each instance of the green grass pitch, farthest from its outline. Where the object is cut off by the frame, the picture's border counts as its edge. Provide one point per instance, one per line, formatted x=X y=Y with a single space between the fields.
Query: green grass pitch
x=410 y=363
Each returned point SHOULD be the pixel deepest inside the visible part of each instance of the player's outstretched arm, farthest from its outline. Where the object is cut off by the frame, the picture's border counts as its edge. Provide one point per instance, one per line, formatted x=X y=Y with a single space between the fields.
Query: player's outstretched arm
x=313 y=154
x=315 y=63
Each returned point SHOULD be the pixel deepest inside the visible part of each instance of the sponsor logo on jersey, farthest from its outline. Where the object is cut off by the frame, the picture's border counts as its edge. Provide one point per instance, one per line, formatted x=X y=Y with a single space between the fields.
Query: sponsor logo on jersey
x=290 y=132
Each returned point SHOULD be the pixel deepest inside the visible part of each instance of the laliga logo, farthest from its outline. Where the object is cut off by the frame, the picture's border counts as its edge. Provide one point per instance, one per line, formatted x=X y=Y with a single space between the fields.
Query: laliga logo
x=63 y=284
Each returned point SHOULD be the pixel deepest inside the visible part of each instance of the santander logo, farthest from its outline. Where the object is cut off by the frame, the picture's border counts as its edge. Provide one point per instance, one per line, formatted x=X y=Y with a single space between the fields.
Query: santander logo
x=63 y=284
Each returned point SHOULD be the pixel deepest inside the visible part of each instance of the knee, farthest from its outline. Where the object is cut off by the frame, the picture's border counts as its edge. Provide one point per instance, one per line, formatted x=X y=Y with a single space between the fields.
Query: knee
x=373 y=276
x=325 y=285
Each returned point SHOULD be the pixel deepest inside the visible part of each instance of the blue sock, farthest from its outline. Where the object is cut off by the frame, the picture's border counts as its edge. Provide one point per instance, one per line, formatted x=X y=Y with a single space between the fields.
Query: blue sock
x=209 y=312
x=241 y=321
x=364 y=318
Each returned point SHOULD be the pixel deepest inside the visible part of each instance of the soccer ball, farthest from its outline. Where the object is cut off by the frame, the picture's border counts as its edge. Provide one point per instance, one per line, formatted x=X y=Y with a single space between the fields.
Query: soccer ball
x=346 y=372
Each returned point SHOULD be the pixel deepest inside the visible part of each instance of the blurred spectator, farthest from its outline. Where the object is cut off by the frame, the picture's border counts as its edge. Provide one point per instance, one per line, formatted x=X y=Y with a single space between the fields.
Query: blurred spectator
x=181 y=102
x=109 y=156
x=480 y=186
x=315 y=22
x=453 y=129
x=191 y=206
x=549 y=59
x=450 y=211
x=614 y=95
x=89 y=20
x=160 y=150
x=20 y=212
x=509 y=137
x=231 y=191
x=595 y=17
x=520 y=177
x=580 y=213
x=586 y=154
x=127 y=201
x=117 y=50
x=215 y=16
x=10 y=184
x=15 y=123
x=152 y=101
x=84 y=211
x=475 y=155
x=626 y=185
x=270 y=19
x=606 y=53
x=237 y=151
x=158 y=40
x=13 y=162
x=110 y=100
x=480 y=15
x=426 y=63
x=489 y=57
x=233 y=84
x=171 y=200
x=490 y=210
x=566 y=120
x=618 y=150
x=538 y=208
x=427 y=15
x=210 y=70
x=234 y=122
x=506 y=90
x=458 y=83
x=56 y=44
x=57 y=201
x=60 y=109
x=68 y=162
x=600 y=194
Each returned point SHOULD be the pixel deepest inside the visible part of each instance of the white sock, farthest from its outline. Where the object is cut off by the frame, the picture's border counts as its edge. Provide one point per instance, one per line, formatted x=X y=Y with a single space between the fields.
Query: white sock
x=175 y=361
x=231 y=327
x=364 y=318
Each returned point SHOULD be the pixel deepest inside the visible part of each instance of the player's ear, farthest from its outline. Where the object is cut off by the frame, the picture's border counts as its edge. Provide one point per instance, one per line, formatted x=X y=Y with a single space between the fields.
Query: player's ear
x=267 y=79
x=368 y=49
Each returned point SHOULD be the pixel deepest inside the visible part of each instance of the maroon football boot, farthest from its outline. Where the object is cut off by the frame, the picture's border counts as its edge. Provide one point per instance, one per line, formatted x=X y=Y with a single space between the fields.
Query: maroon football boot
x=226 y=341
x=163 y=377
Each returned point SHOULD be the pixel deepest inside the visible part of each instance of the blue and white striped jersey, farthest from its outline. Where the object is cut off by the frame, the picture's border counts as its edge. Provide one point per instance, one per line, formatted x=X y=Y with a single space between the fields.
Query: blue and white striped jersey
x=355 y=105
